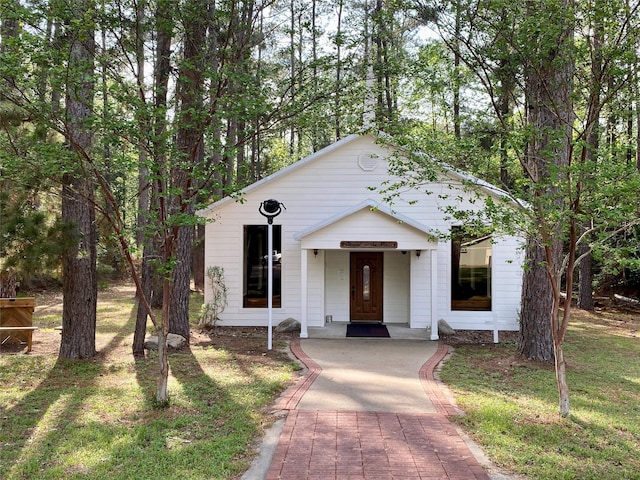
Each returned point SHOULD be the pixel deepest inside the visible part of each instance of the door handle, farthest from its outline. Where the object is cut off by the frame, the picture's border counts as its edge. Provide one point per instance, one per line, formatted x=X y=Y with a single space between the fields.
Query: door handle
x=353 y=293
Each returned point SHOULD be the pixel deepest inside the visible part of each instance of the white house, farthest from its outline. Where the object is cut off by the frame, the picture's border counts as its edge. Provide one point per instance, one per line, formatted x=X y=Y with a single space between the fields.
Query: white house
x=342 y=253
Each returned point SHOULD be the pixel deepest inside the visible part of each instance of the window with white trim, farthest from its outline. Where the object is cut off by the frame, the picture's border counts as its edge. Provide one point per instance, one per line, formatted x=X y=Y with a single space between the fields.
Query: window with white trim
x=255 y=284
x=470 y=270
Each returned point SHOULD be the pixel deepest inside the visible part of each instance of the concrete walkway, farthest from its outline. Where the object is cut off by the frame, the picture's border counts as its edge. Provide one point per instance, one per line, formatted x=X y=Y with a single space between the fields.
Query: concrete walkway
x=368 y=375
x=368 y=409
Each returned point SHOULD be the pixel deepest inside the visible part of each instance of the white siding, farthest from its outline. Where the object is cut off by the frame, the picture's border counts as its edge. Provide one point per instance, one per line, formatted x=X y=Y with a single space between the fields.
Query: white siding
x=396 y=287
x=421 y=292
x=337 y=285
x=506 y=285
x=508 y=258
x=367 y=225
x=316 y=289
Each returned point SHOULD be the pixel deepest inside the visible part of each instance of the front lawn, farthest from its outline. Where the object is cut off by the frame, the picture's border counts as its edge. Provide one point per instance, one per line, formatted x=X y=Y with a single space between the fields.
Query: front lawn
x=512 y=408
x=96 y=419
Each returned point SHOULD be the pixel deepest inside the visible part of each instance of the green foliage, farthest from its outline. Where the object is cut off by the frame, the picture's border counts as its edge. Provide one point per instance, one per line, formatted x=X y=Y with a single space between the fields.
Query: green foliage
x=619 y=255
x=32 y=236
x=31 y=240
x=502 y=45
x=269 y=95
x=248 y=109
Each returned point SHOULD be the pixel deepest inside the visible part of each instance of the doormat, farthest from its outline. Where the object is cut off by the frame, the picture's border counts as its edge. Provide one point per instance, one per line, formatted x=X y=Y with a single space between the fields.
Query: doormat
x=367 y=330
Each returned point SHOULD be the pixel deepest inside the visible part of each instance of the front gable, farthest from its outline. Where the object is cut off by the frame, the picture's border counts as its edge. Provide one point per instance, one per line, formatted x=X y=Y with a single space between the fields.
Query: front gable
x=369 y=221
x=346 y=173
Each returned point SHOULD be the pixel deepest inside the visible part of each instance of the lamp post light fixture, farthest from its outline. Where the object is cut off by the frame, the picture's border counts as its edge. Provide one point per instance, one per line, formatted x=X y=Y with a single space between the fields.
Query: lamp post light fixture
x=270 y=209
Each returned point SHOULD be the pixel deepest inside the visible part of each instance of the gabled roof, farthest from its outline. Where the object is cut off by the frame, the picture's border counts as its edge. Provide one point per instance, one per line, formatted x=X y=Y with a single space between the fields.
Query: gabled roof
x=369 y=204
x=448 y=170
x=462 y=176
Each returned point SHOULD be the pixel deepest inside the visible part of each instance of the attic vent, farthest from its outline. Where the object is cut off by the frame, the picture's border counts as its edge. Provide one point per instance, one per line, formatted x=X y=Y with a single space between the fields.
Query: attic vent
x=368 y=161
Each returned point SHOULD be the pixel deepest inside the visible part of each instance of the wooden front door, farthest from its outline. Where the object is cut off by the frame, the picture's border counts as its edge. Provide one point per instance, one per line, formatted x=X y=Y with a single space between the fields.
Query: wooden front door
x=366 y=286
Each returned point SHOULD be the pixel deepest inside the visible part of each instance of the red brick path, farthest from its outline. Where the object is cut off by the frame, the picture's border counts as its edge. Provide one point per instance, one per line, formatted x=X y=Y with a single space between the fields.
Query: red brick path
x=343 y=445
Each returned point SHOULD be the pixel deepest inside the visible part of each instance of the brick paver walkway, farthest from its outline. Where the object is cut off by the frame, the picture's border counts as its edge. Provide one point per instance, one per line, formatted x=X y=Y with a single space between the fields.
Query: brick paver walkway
x=344 y=445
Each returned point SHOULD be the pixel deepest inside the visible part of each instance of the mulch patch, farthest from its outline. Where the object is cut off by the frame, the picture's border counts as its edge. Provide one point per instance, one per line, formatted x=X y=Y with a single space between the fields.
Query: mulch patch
x=241 y=340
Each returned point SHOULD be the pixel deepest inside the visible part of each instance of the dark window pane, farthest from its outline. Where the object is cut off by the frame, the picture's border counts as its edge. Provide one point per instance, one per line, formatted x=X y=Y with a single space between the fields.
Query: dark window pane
x=256 y=266
x=470 y=271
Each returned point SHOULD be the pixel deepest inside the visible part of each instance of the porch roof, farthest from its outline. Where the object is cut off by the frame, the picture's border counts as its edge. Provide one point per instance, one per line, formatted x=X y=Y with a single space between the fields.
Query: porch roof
x=354 y=223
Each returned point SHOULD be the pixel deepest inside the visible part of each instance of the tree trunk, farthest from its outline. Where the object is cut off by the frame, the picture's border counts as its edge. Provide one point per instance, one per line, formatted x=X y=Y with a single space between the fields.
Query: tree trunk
x=140 y=330
x=8 y=284
x=549 y=88
x=157 y=295
x=292 y=72
x=456 y=76
x=585 y=287
x=561 y=379
x=144 y=191
x=79 y=282
x=242 y=169
x=369 y=112
x=144 y=202
x=198 y=258
x=256 y=136
x=181 y=285
x=189 y=140
x=162 y=391
x=506 y=77
x=164 y=26
x=338 y=83
x=9 y=25
x=535 y=342
x=9 y=29
x=378 y=64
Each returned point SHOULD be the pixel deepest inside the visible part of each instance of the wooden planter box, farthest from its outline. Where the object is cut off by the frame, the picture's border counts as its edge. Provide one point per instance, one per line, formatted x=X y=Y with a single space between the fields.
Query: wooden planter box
x=16 y=312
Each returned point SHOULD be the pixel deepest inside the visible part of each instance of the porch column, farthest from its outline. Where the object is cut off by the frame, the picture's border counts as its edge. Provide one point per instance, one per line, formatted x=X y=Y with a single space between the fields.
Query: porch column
x=304 y=258
x=434 y=293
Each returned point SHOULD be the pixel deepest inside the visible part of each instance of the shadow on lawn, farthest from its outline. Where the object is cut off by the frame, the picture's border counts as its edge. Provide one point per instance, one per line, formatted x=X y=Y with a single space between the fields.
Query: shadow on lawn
x=212 y=422
x=52 y=431
x=33 y=430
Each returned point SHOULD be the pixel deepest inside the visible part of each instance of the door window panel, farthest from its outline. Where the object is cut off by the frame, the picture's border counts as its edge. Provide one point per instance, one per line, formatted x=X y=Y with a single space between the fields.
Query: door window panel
x=366 y=282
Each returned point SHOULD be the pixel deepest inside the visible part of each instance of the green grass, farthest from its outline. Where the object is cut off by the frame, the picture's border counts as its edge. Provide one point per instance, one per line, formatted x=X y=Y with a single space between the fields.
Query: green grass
x=512 y=408
x=96 y=419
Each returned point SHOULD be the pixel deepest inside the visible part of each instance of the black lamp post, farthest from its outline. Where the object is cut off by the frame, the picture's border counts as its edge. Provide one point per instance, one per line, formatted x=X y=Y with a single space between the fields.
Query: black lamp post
x=270 y=209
